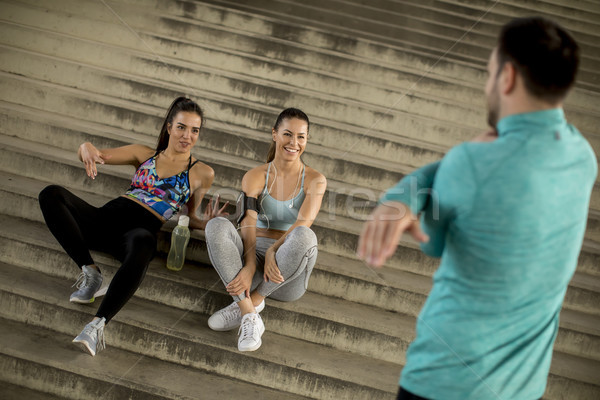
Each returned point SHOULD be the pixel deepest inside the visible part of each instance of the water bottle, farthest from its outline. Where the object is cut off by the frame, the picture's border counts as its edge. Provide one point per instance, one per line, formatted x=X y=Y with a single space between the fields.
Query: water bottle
x=179 y=240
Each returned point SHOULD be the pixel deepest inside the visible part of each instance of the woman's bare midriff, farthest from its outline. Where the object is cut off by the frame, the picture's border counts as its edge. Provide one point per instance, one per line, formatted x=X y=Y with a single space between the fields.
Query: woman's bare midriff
x=157 y=215
x=269 y=233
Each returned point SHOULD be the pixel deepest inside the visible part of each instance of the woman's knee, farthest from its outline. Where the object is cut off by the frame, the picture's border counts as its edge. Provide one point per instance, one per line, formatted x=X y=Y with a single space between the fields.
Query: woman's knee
x=217 y=228
x=305 y=235
x=51 y=193
x=141 y=243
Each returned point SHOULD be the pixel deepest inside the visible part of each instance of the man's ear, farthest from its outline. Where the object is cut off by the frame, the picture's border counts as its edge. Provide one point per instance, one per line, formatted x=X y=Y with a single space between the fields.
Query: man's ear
x=508 y=78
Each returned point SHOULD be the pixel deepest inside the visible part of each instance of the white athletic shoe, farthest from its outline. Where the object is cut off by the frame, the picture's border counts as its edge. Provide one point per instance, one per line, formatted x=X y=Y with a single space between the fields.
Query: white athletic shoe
x=230 y=317
x=91 y=338
x=251 y=330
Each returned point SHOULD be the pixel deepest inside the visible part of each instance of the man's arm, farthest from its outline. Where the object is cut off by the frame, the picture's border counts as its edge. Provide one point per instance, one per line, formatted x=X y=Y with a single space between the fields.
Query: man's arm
x=452 y=193
x=413 y=190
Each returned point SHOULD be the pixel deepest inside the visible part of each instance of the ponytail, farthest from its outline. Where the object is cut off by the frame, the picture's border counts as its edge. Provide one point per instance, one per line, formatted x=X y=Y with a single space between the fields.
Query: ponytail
x=180 y=104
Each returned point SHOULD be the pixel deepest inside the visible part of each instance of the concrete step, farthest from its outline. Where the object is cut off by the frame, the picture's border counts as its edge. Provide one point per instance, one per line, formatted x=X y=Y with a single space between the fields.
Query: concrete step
x=42 y=357
x=186 y=299
x=367 y=172
x=428 y=35
x=338 y=235
x=335 y=163
x=8 y=391
x=182 y=336
x=359 y=328
x=213 y=20
x=334 y=276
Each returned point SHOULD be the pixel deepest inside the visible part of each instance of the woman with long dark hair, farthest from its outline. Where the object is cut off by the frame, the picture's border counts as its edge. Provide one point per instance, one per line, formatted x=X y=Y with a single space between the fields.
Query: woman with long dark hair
x=275 y=251
x=166 y=179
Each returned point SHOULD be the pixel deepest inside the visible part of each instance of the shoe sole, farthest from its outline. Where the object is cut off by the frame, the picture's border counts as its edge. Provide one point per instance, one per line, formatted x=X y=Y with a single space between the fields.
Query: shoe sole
x=254 y=348
x=82 y=301
x=84 y=346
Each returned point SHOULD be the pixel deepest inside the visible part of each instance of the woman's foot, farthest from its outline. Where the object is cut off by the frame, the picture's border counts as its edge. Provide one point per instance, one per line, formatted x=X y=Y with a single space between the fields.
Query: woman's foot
x=230 y=317
x=91 y=338
x=251 y=330
x=88 y=284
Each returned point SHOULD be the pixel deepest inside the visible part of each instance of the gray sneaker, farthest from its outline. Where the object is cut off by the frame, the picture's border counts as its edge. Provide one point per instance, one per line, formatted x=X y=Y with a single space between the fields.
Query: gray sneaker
x=91 y=338
x=88 y=283
x=230 y=317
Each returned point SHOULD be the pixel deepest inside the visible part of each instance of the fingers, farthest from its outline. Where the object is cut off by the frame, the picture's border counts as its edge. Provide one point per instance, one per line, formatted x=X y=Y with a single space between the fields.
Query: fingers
x=273 y=274
x=236 y=287
x=222 y=209
x=418 y=234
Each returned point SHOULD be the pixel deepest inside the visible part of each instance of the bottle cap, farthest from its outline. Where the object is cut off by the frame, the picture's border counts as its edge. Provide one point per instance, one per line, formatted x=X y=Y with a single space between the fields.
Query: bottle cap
x=184 y=220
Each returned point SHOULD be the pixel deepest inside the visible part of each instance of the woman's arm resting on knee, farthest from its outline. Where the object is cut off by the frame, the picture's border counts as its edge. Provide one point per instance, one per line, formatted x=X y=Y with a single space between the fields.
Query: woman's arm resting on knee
x=314 y=187
x=252 y=185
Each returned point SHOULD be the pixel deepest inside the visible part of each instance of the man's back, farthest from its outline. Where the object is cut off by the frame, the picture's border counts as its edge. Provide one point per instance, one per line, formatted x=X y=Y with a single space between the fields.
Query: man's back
x=512 y=216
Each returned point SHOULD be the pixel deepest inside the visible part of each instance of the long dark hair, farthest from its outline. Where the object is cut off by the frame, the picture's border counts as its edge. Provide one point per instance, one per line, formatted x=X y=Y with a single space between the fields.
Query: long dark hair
x=179 y=104
x=288 y=113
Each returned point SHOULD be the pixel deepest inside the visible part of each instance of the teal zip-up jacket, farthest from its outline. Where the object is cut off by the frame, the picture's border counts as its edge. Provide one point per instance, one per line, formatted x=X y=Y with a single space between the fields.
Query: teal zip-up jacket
x=507 y=219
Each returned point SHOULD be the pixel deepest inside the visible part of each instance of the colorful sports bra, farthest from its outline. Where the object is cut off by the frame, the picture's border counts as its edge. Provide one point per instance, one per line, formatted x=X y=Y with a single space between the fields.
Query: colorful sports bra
x=165 y=196
x=277 y=214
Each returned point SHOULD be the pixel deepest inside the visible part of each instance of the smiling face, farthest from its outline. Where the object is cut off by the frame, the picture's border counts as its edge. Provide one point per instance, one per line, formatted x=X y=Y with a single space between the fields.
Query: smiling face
x=290 y=138
x=184 y=131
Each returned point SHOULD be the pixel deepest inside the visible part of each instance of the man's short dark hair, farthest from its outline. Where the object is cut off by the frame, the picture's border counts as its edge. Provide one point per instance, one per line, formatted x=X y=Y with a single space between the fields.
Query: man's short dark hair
x=546 y=56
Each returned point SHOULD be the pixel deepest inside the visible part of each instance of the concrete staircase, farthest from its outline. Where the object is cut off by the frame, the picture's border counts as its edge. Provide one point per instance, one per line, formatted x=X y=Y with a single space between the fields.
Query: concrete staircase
x=389 y=85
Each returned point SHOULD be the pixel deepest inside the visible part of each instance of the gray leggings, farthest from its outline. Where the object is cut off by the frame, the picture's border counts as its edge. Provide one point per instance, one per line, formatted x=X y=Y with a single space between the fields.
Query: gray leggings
x=295 y=258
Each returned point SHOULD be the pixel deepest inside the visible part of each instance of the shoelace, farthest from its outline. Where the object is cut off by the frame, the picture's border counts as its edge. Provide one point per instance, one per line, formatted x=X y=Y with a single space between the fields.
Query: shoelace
x=247 y=328
x=92 y=330
x=82 y=281
x=231 y=312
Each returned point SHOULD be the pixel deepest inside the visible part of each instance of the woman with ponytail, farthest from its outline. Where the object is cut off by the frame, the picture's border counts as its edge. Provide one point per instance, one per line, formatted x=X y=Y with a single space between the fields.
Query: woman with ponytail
x=275 y=251
x=166 y=179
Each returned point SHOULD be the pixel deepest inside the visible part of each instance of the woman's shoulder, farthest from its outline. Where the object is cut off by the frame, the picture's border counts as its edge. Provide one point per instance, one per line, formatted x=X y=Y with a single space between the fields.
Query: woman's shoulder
x=312 y=174
x=314 y=180
x=201 y=169
x=253 y=181
x=141 y=152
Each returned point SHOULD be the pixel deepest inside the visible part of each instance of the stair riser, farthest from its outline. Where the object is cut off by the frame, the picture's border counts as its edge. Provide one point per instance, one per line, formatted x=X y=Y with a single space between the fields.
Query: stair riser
x=345 y=202
x=359 y=174
x=66 y=384
x=229 y=115
x=326 y=107
x=129 y=60
x=207 y=297
x=161 y=345
x=331 y=239
x=470 y=116
x=194 y=34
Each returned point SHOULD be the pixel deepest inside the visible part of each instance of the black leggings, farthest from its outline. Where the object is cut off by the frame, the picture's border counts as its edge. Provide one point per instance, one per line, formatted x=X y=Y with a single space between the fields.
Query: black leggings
x=121 y=227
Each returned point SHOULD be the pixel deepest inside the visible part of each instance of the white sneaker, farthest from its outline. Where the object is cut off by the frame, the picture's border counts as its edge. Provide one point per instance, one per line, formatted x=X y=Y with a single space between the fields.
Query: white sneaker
x=251 y=330
x=230 y=317
x=91 y=338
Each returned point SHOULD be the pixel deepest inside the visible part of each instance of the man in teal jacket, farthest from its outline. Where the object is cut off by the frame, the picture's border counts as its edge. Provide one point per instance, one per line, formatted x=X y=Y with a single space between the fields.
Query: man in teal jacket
x=506 y=214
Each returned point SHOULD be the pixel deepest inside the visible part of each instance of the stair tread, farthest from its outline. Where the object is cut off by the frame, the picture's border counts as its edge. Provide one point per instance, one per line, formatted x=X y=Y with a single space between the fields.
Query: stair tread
x=375 y=319
x=277 y=349
x=142 y=374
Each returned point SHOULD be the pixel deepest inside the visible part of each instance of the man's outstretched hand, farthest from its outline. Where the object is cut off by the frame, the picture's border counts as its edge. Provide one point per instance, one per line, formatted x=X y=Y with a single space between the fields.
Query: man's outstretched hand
x=383 y=229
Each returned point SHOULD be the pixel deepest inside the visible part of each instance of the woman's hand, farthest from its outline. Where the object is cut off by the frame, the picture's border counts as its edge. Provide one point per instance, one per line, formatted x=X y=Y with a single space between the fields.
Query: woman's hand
x=272 y=272
x=211 y=211
x=90 y=155
x=242 y=282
